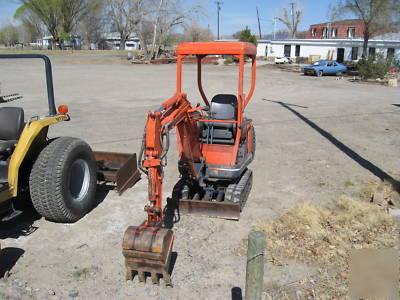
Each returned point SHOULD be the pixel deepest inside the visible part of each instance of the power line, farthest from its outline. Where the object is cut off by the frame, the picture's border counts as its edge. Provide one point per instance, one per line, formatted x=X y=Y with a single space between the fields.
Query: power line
x=219 y=6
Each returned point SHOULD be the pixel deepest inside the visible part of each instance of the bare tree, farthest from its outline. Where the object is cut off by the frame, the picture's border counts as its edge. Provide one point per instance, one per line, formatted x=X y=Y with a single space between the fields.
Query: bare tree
x=195 y=33
x=126 y=15
x=167 y=15
x=291 y=22
x=93 y=25
x=377 y=15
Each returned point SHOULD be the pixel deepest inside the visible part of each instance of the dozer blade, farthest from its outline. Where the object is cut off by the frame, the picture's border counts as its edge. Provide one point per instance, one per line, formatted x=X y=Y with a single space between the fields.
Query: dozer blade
x=147 y=250
x=214 y=209
x=119 y=168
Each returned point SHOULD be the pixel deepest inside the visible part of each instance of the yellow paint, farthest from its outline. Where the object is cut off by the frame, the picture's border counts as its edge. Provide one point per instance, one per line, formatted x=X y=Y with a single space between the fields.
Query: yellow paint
x=25 y=141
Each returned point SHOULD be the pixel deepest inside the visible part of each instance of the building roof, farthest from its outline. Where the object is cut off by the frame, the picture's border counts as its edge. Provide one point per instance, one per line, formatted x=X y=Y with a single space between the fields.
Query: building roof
x=209 y=48
x=341 y=22
x=117 y=36
x=392 y=36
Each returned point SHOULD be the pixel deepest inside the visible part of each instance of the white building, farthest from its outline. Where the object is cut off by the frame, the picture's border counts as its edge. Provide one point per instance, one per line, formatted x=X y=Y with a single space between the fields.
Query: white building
x=132 y=43
x=336 y=49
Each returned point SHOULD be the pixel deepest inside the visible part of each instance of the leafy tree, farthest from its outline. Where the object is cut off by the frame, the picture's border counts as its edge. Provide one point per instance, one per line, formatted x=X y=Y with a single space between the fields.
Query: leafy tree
x=246 y=36
x=8 y=35
x=373 y=67
x=60 y=17
x=377 y=15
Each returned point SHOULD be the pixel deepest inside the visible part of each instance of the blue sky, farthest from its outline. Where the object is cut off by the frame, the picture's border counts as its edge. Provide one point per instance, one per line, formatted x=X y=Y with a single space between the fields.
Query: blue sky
x=235 y=14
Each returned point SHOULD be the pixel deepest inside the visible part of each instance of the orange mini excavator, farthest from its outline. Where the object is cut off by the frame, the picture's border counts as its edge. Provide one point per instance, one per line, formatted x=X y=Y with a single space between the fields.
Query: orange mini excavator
x=216 y=144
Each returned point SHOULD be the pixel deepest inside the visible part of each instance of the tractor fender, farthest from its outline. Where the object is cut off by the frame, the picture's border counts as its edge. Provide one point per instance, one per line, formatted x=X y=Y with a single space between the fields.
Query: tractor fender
x=30 y=132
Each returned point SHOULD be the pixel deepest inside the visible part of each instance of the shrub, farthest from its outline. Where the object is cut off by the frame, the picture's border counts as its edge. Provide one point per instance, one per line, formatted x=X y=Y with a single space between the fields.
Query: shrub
x=373 y=67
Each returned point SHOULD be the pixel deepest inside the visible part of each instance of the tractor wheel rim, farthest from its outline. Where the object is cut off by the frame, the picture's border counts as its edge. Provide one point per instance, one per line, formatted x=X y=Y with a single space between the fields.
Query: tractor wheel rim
x=79 y=179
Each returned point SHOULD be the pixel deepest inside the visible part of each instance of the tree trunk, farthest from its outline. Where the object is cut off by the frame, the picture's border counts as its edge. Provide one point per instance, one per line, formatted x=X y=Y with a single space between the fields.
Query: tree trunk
x=365 y=44
x=122 y=41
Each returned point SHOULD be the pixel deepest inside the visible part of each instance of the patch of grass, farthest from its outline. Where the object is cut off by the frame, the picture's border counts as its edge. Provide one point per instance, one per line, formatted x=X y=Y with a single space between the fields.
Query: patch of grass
x=324 y=235
x=115 y=60
x=350 y=183
x=122 y=53
x=84 y=272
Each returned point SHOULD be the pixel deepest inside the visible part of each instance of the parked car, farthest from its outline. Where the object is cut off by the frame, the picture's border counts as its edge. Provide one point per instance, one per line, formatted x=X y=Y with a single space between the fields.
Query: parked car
x=283 y=60
x=325 y=67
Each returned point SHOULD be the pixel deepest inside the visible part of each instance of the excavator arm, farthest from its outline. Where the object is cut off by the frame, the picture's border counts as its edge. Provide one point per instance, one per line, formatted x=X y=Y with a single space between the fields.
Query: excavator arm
x=147 y=248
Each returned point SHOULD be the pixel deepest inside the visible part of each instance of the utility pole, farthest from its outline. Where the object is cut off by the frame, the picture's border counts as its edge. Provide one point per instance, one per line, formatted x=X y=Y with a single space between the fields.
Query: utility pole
x=274 y=22
x=259 y=26
x=292 y=14
x=219 y=3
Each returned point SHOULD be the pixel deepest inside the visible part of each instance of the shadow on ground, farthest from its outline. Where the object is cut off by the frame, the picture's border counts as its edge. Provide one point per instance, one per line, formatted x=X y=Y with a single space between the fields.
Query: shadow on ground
x=8 y=258
x=22 y=225
x=375 y=170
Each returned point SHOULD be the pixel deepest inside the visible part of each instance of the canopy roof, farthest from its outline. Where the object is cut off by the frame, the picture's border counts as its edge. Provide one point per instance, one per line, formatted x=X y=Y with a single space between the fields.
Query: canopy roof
x=209 y=48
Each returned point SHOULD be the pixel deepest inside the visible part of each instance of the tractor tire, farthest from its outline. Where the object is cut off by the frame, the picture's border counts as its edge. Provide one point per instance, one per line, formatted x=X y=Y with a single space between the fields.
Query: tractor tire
x=63 y=180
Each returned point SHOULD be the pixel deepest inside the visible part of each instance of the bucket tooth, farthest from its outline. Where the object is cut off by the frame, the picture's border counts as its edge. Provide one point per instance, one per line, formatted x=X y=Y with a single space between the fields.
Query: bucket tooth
x=148 y=250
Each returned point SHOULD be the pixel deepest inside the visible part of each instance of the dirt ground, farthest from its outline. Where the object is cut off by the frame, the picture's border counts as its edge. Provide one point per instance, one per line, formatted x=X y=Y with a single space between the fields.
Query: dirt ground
x=317 y=139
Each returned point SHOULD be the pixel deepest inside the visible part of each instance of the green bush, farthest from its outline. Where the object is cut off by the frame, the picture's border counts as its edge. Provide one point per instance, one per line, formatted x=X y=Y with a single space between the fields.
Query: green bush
x=373 y=67
x=230 y=60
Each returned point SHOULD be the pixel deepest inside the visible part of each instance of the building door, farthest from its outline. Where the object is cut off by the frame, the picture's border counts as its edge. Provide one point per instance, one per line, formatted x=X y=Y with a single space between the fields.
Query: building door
x=340 y=55
x=286 y=51
x=297 y=50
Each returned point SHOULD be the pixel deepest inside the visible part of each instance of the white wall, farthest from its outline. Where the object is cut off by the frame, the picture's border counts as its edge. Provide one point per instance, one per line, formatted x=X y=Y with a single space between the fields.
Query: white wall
x=323 y=47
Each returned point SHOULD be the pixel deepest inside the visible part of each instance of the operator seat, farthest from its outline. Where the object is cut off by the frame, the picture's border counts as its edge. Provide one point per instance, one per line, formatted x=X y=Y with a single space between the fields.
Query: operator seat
x=11 y=126
x=223 y=107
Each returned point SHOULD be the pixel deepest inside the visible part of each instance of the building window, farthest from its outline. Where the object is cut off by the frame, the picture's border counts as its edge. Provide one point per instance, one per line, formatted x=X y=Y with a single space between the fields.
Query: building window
x=334 y=32
x=325 y=32
x=313 y=32
x=298 y=50
x=351 y=32
x=371 y=52
x=354 y=53
x=390 y=53
x=286 y=50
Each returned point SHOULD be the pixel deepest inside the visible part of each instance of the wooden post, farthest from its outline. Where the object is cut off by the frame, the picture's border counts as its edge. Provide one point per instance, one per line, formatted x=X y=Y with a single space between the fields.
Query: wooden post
x=255 y=265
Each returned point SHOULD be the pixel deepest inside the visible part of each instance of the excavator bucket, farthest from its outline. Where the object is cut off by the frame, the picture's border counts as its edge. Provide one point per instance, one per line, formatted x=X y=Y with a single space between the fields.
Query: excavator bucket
x=147 y=250
x=119 y=168
x=213 y=209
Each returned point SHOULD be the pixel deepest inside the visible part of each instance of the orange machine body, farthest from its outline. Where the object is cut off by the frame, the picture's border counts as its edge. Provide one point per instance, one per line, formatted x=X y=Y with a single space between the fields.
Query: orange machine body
x=177 y=112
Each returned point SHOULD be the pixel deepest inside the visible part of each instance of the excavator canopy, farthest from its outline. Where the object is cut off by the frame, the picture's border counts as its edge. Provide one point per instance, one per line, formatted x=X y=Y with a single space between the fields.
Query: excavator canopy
x=217 y=48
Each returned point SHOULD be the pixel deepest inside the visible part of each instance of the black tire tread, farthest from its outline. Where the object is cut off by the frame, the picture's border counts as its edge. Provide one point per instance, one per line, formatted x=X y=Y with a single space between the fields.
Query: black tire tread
x=45 y=180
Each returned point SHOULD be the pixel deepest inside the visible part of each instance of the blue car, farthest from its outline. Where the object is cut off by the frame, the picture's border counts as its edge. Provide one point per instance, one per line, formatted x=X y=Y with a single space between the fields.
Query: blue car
x=325 y=67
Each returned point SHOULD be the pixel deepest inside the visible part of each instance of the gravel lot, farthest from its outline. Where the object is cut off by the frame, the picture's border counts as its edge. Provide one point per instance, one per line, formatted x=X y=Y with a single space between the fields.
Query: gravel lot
x=314 y=135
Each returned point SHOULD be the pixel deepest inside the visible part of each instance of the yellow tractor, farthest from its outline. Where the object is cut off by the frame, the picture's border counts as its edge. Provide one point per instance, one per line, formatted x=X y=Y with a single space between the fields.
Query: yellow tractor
x=58 y=175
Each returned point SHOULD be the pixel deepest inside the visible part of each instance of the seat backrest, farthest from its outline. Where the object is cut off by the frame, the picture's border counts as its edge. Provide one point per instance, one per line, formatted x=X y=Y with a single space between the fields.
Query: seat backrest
x=11 y=122
x=224 y=107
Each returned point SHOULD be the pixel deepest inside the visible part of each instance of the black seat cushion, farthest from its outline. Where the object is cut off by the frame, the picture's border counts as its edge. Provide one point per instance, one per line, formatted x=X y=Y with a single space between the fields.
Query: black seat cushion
x=11 y=123
x=223 y=107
